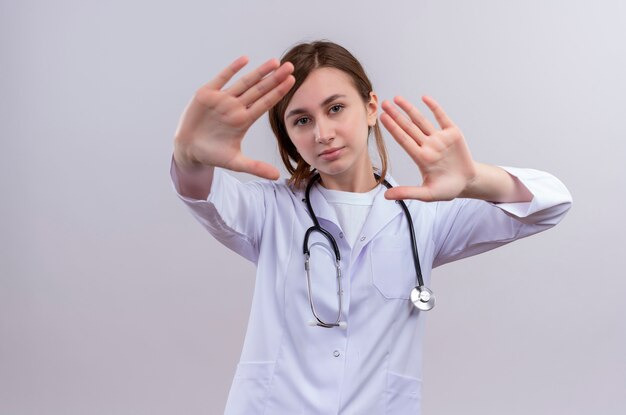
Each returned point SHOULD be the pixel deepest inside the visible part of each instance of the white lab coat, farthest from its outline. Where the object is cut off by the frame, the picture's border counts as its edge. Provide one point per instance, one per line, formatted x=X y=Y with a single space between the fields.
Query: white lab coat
x=374 y=366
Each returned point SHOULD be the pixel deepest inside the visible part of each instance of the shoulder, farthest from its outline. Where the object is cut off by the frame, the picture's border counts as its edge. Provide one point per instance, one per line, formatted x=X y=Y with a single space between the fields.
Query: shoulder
x=278 y=191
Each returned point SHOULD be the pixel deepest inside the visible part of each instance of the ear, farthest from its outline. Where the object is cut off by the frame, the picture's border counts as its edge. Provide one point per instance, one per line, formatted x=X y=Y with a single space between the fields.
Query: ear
x=372 y=109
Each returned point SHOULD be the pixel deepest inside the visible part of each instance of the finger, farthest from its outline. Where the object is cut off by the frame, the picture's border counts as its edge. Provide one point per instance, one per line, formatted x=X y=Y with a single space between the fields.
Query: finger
x=406 y=142
x=248 y=81
x=255 y=167
x=271 y=98
x=270 y=82
x=227 y=73
x=440 y=115
x=406 y=124
x=409 y=192
x=415 y=115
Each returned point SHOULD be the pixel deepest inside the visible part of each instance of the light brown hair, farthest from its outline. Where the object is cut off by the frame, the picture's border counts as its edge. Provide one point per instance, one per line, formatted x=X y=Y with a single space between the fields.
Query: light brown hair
x=306 y=57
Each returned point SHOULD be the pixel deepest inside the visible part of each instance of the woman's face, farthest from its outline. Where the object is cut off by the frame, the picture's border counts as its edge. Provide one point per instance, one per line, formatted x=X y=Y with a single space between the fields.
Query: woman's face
x=328 y=123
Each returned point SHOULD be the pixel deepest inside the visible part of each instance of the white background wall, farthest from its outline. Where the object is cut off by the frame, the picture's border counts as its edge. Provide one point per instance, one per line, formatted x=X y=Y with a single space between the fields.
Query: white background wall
x=114 y=301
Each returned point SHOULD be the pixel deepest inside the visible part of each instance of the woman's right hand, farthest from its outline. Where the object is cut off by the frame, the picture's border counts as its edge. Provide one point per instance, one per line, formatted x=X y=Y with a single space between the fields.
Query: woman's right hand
x=216 y=120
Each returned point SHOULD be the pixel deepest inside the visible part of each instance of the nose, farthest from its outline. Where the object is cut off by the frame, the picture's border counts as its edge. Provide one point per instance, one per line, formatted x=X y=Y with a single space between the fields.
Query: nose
x=323 y=133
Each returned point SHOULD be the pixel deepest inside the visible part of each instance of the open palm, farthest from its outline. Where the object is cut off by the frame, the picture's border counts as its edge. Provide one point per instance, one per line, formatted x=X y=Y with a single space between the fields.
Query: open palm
x=442 y=155
x=216 y=120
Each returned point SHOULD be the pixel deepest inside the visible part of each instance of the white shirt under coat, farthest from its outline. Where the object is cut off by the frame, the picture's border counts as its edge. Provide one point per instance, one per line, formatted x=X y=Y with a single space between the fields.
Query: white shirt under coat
x=374 y=366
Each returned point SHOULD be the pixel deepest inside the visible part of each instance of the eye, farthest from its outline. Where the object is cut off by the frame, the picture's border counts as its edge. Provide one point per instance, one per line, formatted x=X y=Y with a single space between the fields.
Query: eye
x=302 y=121
x=336 y=108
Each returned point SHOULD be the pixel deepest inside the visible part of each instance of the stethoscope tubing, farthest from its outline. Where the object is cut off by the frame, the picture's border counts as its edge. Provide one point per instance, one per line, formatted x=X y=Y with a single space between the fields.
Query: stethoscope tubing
x=416 y=259
x=421 y=296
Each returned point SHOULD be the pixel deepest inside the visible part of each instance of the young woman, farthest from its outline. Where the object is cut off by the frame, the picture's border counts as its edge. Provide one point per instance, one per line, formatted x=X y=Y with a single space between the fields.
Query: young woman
x=338 y=312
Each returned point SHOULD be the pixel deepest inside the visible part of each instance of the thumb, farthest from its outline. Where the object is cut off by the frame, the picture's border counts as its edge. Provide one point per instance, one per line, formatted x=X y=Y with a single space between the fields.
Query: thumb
x=409 y=192
x=256 y=167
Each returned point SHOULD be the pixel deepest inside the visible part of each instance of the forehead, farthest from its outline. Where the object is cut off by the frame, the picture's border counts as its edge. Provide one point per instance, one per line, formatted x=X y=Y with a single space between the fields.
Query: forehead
x=320 y=84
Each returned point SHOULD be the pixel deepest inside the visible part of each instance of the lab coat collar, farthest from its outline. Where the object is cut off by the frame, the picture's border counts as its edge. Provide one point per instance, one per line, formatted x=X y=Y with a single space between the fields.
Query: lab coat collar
x=383 y=211
x=322 y=208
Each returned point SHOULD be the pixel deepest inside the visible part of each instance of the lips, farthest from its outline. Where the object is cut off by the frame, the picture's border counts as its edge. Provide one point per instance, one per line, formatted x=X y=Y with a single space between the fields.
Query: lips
x=331 y=153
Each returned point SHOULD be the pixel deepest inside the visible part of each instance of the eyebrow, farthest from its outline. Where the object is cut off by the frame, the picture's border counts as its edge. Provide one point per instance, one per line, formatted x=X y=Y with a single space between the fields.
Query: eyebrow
x=327 y=101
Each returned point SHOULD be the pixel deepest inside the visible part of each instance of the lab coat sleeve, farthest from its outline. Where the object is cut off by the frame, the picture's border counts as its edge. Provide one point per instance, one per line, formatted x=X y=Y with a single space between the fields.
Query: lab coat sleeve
x=466 y=227
x=233 y=211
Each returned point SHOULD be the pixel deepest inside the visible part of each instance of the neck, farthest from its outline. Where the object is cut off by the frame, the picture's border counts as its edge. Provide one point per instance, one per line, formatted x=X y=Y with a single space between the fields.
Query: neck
x=360 y=183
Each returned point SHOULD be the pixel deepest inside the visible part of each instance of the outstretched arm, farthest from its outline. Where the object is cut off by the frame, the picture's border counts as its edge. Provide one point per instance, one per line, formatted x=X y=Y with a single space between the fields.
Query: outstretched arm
x=443 y=157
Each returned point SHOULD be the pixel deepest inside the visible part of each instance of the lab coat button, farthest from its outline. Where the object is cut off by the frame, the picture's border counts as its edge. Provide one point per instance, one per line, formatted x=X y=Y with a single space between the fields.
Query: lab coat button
x=362 y=238
x=336 y=353
x=341 y=235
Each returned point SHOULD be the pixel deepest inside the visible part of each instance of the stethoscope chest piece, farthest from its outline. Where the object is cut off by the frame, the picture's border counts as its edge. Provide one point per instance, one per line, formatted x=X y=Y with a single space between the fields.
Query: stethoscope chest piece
x=422 y=298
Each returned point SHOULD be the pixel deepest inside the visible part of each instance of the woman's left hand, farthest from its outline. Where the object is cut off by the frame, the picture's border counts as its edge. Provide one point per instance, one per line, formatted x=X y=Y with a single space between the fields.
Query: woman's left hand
x=441 y=154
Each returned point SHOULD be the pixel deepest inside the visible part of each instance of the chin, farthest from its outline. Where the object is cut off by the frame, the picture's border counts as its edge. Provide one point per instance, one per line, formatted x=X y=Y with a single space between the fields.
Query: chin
x=332 y=169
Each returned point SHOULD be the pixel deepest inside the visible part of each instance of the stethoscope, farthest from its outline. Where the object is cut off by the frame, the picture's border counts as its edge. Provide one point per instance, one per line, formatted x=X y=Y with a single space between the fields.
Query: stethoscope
x=421 y=297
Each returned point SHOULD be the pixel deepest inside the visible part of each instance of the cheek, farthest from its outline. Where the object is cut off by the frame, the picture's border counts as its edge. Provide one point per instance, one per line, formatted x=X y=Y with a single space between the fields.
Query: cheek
x=302 y=145
x=357 y=129
x=294 y=137
x=358 y=124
